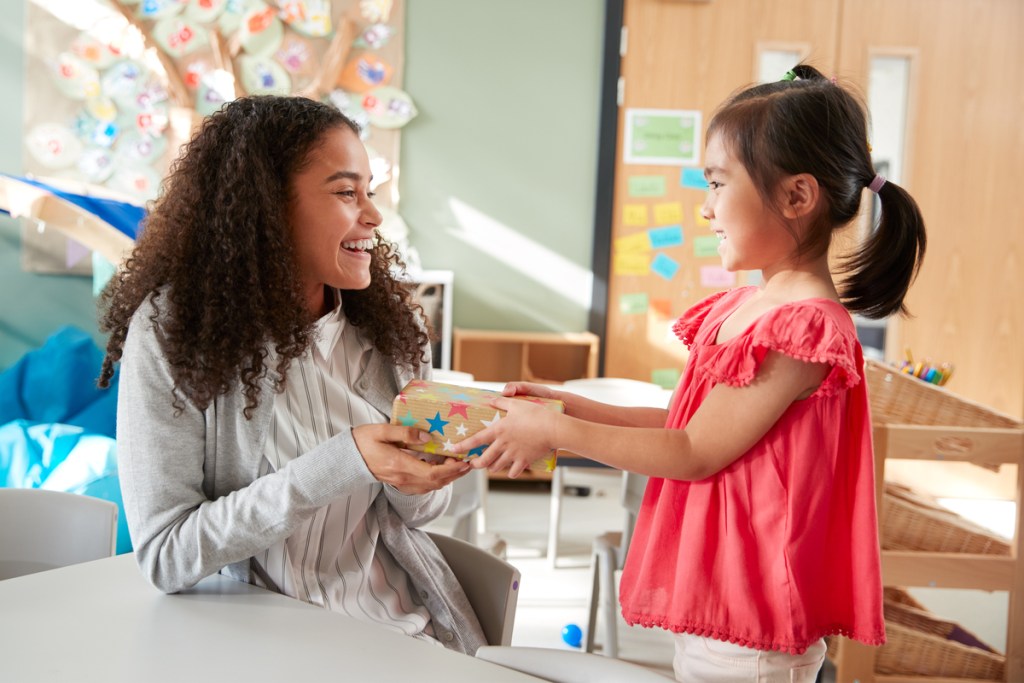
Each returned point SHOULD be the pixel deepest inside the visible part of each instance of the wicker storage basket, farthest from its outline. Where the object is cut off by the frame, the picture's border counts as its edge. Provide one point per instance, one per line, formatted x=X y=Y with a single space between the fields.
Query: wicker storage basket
x=901 y=399
x=918 y=643
x=912 y=521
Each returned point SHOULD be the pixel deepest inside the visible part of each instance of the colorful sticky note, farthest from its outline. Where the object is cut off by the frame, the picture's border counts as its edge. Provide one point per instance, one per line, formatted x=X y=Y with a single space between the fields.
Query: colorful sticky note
x=631 y=263
x=693 y=177
x=634 y=214
x=663 y=307
x=647 y=186
x=664 y=266
x=698 y=216
x=705 y=245
x=632 y=304
x=716 y=277
x=669 y=212
x=637 y=242
x=666 y=378
x=669 y=236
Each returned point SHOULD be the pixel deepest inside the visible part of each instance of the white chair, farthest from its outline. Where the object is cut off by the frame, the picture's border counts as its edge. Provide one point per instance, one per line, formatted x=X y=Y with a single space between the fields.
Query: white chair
x=566 y=666
x=44 y=529
x=490 y=583
x=608 y=557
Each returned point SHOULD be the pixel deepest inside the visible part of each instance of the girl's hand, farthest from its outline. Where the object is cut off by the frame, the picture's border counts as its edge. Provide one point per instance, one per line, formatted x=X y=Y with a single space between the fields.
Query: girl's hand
x=524 y=435
x=381 y=448
x=532 y=389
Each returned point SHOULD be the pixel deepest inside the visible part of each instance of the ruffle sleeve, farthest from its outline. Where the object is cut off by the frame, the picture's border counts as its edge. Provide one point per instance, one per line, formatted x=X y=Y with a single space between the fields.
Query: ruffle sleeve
x=689 y=323
x=811 y=333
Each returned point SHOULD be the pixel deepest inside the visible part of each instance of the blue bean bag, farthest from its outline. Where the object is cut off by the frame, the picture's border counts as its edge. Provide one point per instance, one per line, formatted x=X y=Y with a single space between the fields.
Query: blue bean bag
x=57 y=427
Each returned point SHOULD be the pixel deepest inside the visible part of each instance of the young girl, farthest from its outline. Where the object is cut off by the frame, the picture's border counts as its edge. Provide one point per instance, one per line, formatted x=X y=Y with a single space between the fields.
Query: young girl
x=757 y=536
x=262 y=338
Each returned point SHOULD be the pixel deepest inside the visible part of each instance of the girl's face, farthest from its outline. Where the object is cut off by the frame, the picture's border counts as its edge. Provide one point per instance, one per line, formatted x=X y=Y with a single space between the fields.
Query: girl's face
x=753 y=236
x=332 y=217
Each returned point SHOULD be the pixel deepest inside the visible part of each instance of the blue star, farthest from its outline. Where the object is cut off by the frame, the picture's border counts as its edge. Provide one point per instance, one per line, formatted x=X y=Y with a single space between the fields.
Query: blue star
x=437 y=424
x=407 y=420
x=478 y=451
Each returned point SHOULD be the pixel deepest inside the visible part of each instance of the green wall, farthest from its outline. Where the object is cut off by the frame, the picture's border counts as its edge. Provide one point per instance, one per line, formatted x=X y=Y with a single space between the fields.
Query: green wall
x=497 y=171
x=506 y=140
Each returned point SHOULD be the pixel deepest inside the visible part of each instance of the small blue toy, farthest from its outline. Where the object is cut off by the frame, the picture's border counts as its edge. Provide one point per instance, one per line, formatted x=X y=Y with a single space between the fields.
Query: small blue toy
x=572 y=635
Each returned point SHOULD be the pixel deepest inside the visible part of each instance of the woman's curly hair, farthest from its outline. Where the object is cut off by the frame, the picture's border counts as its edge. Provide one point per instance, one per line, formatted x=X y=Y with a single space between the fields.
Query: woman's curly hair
x=217 y=248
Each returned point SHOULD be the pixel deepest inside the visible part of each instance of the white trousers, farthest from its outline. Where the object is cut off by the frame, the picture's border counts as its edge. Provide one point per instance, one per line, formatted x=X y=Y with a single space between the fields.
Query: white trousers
x=703 y=660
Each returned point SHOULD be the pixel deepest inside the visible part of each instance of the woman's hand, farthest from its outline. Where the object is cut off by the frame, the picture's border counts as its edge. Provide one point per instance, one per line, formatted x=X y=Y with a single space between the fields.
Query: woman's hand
x=524 y=435
x=381 y=446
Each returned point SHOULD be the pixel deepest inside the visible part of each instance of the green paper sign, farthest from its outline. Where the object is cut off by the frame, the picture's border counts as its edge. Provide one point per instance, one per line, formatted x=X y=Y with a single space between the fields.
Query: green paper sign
x=647 y=186
x=662 y=136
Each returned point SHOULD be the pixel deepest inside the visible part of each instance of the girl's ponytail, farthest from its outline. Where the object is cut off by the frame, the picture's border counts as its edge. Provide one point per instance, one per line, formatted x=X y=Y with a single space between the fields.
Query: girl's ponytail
x=879 y=274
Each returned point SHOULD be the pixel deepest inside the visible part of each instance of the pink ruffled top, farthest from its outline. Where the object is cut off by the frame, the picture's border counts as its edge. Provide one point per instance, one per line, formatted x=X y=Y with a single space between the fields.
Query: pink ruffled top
x=780 y=548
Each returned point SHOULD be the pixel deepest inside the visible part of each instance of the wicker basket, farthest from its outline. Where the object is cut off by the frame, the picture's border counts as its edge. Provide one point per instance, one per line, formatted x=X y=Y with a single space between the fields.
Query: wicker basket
x=918 y=643
x=912 y=521
x=901 y=399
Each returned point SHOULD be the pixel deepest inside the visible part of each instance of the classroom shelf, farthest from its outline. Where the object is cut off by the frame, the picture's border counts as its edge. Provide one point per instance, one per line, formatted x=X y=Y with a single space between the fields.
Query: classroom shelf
x=548 y=357
x=916 y=420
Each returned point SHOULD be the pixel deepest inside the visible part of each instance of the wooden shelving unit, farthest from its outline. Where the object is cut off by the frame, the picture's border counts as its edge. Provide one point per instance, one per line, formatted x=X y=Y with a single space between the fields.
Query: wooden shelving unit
x=916 y=420
x=497 y=356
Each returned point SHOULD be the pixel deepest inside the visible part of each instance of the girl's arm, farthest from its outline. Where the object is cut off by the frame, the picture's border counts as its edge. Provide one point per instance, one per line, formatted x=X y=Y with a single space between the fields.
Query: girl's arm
x=591 y=410
x=726 y=425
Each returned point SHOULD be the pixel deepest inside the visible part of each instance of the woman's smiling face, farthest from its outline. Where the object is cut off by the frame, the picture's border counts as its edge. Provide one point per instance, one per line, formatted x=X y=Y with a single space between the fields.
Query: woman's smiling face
x=333 y=217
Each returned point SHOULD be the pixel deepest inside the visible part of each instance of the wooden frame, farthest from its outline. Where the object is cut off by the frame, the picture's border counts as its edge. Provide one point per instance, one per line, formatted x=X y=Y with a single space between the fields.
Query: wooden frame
x=974 y=444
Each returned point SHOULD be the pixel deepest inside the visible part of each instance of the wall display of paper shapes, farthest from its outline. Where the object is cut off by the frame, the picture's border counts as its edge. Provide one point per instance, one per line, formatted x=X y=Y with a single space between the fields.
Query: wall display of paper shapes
x=110 y=100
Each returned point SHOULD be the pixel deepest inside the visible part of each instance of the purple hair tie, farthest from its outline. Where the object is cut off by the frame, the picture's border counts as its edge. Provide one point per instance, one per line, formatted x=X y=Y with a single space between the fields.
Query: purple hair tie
x=876 y=183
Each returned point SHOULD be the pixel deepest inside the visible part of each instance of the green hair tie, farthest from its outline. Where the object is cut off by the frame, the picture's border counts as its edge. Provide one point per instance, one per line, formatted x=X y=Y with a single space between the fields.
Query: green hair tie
x=789 y=76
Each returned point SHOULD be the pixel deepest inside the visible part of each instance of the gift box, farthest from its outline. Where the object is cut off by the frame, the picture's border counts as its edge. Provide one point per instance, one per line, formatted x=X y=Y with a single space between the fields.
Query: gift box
x=450 y=413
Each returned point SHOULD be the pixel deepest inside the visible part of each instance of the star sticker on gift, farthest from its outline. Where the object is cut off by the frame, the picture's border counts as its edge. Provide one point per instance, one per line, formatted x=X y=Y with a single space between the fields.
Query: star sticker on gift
x=458 y=408
x=478 y=451
x=437 y=424
x=402 y=397
x=407 y=420
x=491 y=423
x=462 y=429
x=449 y=447
x=430 y=447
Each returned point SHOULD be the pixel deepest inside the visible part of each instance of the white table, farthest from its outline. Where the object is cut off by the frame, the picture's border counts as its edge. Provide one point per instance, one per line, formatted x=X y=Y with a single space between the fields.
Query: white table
x=612 y=390
x=102 y=621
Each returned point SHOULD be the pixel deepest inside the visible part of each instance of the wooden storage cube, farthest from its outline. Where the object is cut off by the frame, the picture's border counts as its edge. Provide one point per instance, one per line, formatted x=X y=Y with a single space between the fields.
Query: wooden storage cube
x=488 y=360
x=556 y=363
x=497 y=356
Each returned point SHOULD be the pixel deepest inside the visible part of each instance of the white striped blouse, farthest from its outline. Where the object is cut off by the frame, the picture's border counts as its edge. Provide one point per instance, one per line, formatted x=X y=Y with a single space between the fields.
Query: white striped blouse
x=335 y=559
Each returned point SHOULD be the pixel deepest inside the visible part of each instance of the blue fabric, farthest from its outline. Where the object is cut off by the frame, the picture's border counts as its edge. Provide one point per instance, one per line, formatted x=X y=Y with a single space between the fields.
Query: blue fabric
x=57 y=383
x=124 y=217
x=58 y=427
x=63 y=458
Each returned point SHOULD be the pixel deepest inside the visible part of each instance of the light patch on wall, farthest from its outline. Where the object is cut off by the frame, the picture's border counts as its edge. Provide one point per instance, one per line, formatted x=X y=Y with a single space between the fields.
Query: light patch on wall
x=530 y=258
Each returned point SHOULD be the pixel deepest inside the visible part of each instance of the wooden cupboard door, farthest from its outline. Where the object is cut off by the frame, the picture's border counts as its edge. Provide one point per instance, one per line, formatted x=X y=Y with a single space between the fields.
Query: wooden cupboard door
x=964 y=163
x=686 y=55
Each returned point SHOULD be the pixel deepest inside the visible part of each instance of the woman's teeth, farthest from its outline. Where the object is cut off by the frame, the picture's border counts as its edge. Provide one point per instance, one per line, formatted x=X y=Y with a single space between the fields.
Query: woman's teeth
x=358 y=245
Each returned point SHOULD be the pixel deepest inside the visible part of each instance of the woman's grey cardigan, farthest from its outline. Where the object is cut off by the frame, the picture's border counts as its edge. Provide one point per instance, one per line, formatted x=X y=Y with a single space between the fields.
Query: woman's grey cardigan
x=195 y=504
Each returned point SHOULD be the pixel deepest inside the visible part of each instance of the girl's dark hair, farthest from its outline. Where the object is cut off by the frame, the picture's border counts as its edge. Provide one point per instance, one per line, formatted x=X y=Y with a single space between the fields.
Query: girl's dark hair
x=217 y=247
x=811 y=125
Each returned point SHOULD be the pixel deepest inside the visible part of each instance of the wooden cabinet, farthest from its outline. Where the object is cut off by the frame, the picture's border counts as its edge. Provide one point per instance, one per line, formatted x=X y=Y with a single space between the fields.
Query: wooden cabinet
x=918 y=421
x=497 y=356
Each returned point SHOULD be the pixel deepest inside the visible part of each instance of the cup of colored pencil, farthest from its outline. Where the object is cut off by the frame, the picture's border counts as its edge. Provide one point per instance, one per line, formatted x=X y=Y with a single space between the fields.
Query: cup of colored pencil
x=926 y=370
